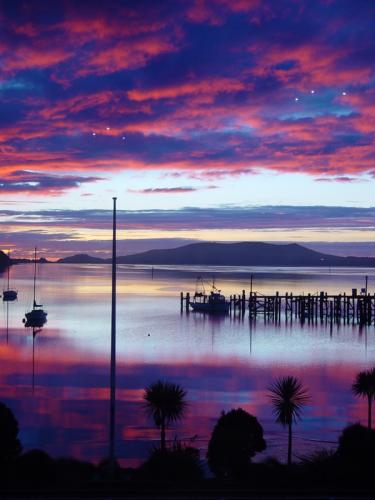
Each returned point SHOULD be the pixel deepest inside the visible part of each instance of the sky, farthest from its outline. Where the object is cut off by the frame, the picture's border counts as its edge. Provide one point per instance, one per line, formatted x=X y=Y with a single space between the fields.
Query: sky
x=217 y=120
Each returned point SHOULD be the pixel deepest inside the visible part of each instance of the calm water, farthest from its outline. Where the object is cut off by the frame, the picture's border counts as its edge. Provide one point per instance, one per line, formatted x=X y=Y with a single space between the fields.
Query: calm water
x=223 y=362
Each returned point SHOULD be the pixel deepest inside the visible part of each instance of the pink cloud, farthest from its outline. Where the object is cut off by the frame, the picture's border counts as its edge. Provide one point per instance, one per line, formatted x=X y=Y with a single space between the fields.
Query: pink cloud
x=127 y=54
x=26 y=57
x=315 y=64
x=212 y=86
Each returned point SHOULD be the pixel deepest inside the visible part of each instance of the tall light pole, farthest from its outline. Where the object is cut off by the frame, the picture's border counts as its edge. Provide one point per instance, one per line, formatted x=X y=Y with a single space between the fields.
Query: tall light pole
x=112 y=416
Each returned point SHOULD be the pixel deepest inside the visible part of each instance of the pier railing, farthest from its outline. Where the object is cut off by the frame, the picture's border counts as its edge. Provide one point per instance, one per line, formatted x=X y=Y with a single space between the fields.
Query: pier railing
x=354 y=308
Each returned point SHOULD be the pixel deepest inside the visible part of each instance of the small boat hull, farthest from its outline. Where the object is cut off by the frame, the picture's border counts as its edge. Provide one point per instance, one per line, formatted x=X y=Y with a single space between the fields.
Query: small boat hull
x=35 y=318
x=9 y=295
x=210 y=308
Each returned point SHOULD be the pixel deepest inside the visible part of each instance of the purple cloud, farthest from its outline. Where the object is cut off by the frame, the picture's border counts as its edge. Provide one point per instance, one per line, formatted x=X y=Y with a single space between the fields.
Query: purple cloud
x=24 y=181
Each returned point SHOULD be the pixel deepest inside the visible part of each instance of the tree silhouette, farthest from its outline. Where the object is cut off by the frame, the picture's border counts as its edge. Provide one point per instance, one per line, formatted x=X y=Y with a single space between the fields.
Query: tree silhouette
x=235 y=439
x=164 y=402
x=357 y=445
x=364 y=386
x=10 y=446
x=288 y=397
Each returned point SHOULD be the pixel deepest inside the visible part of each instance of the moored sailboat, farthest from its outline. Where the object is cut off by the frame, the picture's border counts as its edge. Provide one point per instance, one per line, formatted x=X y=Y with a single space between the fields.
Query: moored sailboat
x=37 y=317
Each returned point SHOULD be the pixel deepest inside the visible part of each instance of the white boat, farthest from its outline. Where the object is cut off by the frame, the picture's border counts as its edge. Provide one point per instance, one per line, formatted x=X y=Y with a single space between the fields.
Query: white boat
x=37 y=317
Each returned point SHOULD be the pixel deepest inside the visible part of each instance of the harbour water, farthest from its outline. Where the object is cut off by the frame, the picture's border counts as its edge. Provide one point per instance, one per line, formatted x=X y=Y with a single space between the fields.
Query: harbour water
x=223 y=362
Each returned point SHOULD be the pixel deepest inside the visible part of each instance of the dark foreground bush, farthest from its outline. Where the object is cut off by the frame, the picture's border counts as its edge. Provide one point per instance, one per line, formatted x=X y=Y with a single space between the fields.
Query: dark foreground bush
x=71 y=472
x=107 y=471
x=34 y=469
x=176 y=464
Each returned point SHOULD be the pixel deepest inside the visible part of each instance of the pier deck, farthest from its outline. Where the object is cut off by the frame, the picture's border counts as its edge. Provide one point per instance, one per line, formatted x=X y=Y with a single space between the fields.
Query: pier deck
x=354 y=308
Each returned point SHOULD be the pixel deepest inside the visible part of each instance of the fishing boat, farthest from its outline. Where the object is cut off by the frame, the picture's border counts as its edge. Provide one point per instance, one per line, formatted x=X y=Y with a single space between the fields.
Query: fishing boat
x=37 y=317
x=213 y=303
x=8 y=294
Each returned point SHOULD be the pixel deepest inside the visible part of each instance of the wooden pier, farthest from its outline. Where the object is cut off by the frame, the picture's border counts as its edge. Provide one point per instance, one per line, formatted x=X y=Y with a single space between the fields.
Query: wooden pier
x=349 y=309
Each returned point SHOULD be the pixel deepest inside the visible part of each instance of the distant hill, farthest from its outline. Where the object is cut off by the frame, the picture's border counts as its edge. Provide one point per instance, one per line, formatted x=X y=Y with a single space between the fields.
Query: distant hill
x=4 y=260
x=81 y=258
x=233 y=254
x=244 y=254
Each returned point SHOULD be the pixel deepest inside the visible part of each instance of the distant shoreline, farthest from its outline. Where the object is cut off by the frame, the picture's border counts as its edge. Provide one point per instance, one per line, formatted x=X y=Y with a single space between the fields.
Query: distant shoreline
x=231 y=254
x=245 y=254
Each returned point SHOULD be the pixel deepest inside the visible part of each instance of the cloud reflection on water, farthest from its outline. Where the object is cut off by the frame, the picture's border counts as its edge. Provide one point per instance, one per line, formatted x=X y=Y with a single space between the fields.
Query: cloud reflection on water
x=220 y=361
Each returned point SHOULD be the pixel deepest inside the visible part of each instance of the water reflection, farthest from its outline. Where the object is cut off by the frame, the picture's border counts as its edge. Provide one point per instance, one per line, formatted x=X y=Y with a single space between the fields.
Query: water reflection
x=6 y=305
x=9 y=295
x=35 y=331
x=223 y=362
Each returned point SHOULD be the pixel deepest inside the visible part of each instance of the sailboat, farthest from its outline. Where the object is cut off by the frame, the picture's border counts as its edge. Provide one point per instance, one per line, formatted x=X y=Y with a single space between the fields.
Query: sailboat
x=37 y=317
x=8 y=294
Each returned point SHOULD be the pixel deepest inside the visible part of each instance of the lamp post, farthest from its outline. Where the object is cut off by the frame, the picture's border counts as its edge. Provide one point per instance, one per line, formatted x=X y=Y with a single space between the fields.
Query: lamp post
x=112 y=416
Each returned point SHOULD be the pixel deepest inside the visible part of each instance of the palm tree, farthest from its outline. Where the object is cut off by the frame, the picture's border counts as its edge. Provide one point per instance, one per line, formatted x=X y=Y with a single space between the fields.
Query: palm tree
x=164 y=402
x=364 y=386
x=288 y=397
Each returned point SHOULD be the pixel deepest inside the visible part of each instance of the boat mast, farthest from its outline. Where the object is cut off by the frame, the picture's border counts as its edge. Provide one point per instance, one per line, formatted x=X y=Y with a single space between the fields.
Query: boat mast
x=7 y=321
x=34 y=277
x=8 y=272
x=112 y=421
